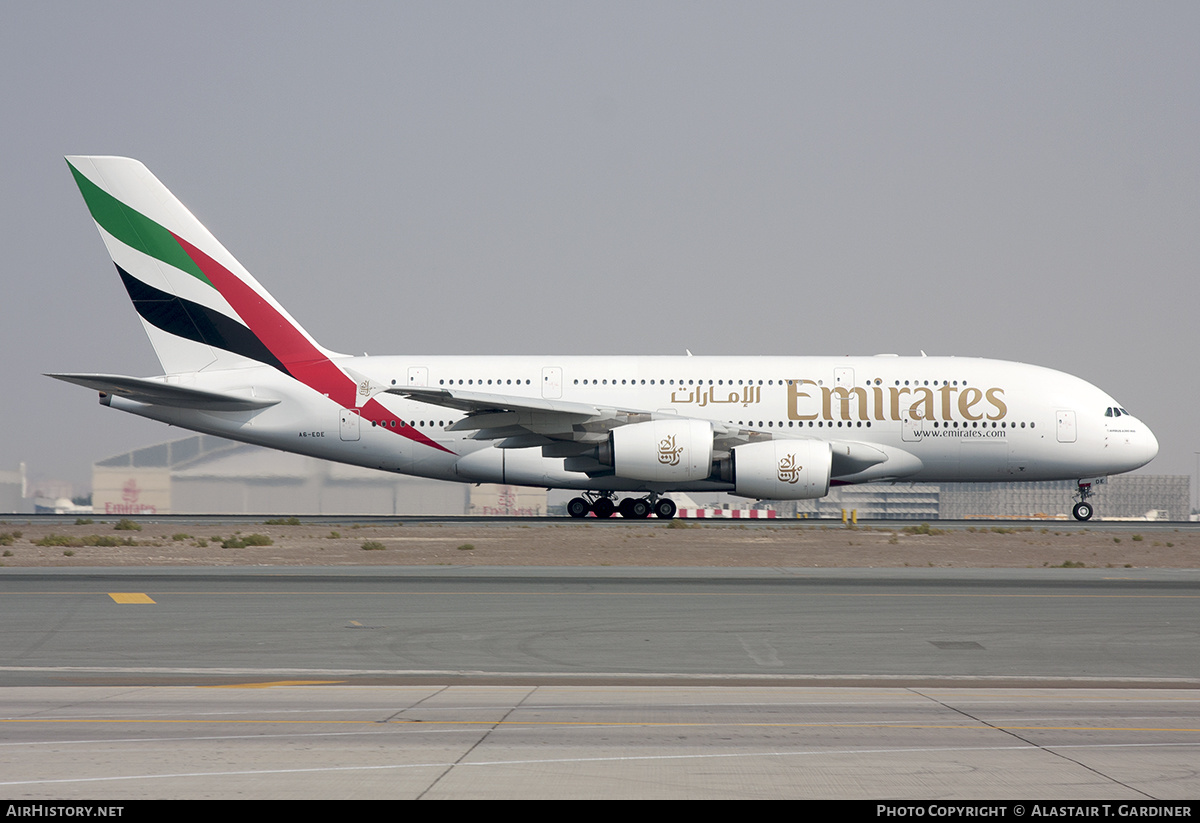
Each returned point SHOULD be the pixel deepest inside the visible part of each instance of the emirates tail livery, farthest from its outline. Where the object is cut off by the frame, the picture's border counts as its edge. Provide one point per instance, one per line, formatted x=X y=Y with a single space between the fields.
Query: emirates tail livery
x=785 y=428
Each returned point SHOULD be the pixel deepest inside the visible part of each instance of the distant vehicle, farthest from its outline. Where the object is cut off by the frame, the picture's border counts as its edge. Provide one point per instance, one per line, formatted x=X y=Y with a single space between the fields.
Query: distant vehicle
x=787 y=428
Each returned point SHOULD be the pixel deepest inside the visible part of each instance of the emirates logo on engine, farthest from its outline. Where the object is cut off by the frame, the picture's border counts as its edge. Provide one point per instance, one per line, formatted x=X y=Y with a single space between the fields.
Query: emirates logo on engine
x=789 y=472
x=668 y=452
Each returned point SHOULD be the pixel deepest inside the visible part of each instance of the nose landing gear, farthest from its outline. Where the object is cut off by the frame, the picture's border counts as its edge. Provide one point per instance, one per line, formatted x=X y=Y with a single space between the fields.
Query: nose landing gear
x=1083 y=510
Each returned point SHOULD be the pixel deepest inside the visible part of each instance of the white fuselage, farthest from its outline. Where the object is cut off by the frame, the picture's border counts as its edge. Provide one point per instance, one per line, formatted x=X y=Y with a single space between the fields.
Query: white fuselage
x=964 y=419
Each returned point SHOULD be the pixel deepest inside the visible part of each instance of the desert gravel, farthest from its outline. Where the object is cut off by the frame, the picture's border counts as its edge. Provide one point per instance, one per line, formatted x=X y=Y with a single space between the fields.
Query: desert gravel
x=567 y=543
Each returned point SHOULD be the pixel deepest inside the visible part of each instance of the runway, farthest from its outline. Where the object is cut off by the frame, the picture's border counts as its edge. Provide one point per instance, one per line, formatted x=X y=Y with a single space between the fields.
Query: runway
x=478 y=682
x=456 y=742
x=389 y=625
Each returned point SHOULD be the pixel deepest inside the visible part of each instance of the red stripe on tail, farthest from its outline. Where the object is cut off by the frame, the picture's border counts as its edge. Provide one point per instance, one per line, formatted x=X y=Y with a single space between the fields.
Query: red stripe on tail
x=303 y=360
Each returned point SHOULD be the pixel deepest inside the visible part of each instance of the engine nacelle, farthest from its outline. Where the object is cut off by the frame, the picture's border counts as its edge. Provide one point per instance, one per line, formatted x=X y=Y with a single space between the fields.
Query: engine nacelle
x=782 y=469
x=662 y=451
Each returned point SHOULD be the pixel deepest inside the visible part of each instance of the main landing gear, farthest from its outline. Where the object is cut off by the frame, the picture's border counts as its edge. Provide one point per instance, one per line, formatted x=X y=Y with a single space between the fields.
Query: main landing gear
x=1084 y=510
x=601 y=504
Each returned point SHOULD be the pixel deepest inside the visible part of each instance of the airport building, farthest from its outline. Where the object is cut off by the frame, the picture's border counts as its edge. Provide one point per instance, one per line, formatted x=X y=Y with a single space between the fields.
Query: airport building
x=12 y=490
x=1123 y=496
x=204 y=474
x=910 y=501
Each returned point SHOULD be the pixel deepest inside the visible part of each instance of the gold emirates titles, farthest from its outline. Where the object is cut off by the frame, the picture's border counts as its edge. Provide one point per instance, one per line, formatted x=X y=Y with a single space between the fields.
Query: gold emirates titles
x=884 y=403
x=869 y=403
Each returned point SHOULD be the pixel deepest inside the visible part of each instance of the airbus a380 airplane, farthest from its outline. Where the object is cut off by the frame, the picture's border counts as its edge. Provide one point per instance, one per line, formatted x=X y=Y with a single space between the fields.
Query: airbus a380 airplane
x=785 y=428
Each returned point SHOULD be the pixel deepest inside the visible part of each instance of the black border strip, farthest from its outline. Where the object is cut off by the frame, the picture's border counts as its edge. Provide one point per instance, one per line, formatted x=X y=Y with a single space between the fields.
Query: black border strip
x=192 y=321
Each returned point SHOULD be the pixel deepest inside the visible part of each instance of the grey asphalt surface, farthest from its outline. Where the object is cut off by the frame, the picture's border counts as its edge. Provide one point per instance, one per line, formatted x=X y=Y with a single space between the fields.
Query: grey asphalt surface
x=479 y=682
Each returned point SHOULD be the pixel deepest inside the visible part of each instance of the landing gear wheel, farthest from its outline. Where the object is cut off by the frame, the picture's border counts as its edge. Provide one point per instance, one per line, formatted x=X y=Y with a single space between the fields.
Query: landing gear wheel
x=664 y=508
x=578 y=507
x=1082 y=511
x=603 y=507
x=635 y=508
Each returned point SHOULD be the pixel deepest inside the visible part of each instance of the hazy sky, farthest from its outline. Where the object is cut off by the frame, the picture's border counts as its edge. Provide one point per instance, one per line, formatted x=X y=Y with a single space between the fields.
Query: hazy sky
x=1010 y=180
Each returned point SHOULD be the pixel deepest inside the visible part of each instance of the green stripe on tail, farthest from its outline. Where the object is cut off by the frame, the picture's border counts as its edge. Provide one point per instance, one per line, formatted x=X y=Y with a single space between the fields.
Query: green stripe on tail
x=133 y=228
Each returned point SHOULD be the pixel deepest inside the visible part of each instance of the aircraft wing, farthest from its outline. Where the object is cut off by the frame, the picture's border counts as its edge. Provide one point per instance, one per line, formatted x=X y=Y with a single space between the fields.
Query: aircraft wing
x=158 y=393
x=565 y=429
x=520 y=422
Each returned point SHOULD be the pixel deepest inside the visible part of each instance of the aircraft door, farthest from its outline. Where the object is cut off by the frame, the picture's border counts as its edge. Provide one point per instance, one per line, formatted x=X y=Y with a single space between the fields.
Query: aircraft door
x=349 y=425
x=551 y=382
x=1066 y=426
x=911 y=427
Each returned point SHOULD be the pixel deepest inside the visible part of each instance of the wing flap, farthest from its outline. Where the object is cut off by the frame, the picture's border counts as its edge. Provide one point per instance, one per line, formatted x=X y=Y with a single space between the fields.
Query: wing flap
x=479 y=402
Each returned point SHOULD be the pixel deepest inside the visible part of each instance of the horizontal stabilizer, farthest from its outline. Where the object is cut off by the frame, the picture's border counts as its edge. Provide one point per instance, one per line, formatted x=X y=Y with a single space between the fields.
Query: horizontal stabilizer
x=158 y=393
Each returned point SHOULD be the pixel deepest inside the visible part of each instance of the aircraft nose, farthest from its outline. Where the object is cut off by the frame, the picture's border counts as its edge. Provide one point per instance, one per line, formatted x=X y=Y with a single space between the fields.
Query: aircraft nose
x=1141 y=446
x=1146 y=445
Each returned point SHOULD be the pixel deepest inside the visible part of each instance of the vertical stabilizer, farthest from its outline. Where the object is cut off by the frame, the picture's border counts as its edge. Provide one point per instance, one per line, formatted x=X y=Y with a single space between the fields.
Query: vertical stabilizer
x=201 y=309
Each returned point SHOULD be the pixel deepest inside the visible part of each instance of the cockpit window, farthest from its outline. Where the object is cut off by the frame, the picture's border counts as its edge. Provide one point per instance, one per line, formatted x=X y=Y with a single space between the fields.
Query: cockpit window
x=1108 y=412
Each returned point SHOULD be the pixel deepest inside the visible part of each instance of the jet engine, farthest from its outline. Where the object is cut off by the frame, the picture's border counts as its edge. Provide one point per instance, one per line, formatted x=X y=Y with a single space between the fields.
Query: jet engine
x=780 y=469
x=661 y=451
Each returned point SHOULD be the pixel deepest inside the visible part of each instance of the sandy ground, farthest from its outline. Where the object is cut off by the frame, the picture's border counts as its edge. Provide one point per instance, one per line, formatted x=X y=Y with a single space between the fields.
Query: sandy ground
x=650 y=543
